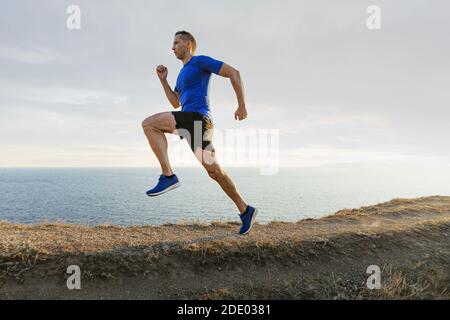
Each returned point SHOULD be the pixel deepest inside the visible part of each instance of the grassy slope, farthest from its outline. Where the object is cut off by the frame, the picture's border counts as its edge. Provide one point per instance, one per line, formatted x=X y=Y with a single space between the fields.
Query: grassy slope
x=320 y=258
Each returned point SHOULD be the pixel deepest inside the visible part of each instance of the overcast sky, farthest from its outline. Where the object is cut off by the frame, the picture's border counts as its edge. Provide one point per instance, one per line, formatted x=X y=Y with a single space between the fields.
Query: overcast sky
x=336 y=91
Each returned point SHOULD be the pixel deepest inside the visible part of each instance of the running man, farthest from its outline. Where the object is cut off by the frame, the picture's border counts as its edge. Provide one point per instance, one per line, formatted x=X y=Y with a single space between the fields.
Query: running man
x=194 y=121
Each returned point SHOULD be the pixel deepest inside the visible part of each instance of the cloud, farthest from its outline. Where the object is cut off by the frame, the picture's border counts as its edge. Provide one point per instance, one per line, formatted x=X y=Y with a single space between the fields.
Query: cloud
x=318 y=121
x=36 y=55
x=75 y=96
x=317 y=155
x=55 y=94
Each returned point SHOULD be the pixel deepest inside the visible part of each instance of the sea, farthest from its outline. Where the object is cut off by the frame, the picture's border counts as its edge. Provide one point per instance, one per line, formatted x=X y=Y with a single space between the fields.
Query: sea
x=98 y=196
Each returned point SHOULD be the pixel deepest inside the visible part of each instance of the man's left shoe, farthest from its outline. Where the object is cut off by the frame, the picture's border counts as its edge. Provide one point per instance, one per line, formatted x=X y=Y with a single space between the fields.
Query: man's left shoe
x=248 y=218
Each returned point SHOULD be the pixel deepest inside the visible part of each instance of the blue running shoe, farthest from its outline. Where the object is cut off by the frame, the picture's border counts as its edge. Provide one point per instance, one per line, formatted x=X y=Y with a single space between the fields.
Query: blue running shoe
x=164 y=184
x=248 y=218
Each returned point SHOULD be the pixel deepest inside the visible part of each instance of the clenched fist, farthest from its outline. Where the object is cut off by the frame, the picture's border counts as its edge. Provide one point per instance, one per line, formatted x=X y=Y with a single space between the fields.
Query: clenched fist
x=241 y=113
x=161 y=71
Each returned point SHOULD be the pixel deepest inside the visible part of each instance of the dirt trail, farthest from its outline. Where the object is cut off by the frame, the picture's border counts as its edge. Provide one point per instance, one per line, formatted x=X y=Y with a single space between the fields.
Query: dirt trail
x=409 y=239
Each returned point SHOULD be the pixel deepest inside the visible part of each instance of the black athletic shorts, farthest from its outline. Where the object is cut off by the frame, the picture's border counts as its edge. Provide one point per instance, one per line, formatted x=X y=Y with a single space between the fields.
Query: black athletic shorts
x=196 y=128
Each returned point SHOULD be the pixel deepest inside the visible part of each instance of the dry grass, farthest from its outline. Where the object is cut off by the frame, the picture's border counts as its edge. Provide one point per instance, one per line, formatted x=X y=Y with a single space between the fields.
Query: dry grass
x=313 y=258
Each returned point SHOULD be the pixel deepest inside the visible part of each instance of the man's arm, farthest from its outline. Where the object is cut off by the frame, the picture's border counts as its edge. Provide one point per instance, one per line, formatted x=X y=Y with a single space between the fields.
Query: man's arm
x=228 y=71
x=171 y=95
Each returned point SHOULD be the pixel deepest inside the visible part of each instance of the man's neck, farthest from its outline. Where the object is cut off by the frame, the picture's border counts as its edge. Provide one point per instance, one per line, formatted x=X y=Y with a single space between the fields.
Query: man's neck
x=186 y=58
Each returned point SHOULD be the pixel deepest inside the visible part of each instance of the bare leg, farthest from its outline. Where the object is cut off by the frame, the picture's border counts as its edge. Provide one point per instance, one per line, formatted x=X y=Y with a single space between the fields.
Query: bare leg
x=214 y=170
x=154 y=128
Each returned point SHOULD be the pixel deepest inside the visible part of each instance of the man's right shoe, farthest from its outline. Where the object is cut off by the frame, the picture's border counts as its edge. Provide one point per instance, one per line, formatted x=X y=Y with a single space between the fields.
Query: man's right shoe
x=247 y=218
x=164 y=184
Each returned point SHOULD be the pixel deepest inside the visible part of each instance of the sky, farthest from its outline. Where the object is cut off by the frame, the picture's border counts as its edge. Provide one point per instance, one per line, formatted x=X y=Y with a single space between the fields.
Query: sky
x=329 y=90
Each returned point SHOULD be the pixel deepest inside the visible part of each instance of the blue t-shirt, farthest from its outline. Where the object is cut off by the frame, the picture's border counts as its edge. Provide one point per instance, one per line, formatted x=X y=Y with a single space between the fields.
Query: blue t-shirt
x=192 y=83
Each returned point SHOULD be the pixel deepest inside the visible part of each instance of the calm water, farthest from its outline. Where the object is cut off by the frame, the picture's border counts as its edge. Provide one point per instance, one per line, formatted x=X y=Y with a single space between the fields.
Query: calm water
x=96 y=196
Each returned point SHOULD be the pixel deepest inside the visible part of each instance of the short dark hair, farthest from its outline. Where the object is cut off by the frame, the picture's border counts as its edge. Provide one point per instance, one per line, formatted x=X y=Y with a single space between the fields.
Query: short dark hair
x=187 y=36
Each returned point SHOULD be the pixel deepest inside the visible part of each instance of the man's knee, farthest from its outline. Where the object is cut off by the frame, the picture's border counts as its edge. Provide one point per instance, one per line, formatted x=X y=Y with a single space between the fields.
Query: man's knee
x=163 y=121
x=148 y=122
